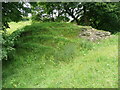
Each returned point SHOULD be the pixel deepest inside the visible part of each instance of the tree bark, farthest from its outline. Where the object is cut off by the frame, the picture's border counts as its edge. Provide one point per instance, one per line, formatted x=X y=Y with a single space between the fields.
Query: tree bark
x=86 y=22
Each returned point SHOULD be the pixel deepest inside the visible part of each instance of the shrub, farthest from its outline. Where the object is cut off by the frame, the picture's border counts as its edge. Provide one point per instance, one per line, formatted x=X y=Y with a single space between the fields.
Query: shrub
x=8 y=44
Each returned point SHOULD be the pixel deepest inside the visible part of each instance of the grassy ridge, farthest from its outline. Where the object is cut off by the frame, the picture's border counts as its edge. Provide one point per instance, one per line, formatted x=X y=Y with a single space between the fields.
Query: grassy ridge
x=51 y=55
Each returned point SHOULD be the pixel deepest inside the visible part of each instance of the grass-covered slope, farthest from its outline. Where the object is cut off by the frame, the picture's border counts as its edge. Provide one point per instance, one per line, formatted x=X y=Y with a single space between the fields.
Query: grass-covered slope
x=14 y=26
x=51 y=55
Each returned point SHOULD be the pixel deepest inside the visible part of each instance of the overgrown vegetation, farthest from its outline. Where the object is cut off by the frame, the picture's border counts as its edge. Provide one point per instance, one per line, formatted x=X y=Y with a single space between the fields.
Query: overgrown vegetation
x=100 y=15
x=9 y=37
x=13 y=11
x=51 y=55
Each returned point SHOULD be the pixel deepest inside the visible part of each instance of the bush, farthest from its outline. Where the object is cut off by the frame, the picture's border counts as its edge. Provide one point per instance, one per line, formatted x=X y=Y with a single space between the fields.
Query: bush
x=62 y=18
x=8 y=43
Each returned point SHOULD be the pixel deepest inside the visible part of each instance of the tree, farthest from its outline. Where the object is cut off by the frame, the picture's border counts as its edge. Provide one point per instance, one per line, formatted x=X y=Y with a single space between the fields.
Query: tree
x=104 y=16
x=100 y=15
x=12 y=11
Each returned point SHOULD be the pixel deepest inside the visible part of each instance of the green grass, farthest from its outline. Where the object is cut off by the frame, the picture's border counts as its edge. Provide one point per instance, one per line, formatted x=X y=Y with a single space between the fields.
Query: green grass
x=14 y=26
x=51 y=55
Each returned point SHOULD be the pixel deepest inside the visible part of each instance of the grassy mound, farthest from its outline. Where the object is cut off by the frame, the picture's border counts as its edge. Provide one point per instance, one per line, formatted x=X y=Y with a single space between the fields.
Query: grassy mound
x=51 y=55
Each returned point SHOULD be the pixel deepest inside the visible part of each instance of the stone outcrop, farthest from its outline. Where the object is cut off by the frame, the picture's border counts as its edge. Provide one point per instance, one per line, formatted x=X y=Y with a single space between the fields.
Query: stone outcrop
x=93 y=34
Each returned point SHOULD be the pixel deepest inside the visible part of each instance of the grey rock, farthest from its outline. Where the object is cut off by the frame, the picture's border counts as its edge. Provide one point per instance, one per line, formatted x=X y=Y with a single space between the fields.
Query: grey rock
x=93 y=35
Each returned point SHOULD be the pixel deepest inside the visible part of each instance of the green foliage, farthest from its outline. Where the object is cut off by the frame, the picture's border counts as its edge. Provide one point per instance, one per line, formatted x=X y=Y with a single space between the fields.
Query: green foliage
x=62 y=18
x=100 y=15
x=8 y=44
x=51 y=55
x=8 y=39
x=12 y=11
x=103 y=16
x=36 y=18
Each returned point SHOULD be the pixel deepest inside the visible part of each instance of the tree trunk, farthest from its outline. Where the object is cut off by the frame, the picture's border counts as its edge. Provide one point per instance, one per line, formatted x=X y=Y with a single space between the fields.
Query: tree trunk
x=86 y=22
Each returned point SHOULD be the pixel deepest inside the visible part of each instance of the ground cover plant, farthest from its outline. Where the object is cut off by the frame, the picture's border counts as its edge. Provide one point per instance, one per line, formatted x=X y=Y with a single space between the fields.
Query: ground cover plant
x=52 y=55
x=60 y=44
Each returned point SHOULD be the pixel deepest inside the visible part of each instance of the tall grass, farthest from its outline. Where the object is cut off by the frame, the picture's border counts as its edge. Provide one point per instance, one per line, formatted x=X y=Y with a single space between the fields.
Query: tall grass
x=51 y=55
